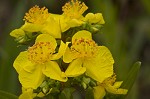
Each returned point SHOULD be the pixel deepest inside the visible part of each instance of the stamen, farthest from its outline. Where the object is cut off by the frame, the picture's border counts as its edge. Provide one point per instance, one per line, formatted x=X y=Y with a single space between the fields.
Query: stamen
x=74 y=9
x=84 y=48
x=36 y=15
x=40 y=52
x=111 y=80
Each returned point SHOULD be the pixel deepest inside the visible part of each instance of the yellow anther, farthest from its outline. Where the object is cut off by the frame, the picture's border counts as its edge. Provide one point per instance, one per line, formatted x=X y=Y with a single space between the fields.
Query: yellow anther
x=84 y=48
x=111 y=80
x=36 y=15
x=74 y=9
x=40 y=52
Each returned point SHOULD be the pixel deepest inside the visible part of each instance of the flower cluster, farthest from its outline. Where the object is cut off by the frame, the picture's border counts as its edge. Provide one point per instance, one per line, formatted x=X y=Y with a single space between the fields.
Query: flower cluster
x=62 y=54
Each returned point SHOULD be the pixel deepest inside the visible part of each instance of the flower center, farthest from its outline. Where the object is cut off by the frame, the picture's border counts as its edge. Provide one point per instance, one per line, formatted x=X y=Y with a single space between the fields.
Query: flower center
x=40 y=52
x=36 y=15
x=84 y=48
x=74 y=9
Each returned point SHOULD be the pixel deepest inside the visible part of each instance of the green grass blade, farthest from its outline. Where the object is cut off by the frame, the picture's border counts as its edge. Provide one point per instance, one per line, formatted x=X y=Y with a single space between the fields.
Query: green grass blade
x=6 y=95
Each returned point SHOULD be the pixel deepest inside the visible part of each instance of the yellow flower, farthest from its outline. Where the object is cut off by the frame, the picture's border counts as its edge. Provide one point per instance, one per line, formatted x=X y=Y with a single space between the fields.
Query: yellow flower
x=39 y=20
x=94 y=18
x=108 y=85
x=32 y=65
x=86 y=56
x=72 y=12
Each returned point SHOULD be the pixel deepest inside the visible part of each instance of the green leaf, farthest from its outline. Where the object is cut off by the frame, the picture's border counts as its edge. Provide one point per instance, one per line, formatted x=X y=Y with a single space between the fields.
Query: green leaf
x=66 y=93
x=6 y=95
x=130 y=79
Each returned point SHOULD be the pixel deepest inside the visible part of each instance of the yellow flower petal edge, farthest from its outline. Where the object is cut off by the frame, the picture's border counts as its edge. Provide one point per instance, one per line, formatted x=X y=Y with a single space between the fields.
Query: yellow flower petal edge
x=95 y=18
x=99 y=92
x=100 y=67
x=31 y=79
x=46 y=38
x=53 y=71
x=22 y=62
x=52 y=26
x=61 y=50
x=17 y=33
x=81 y=34
x=75 y=68
x=62 y=22
x=27 y=94
x=30 y=27
x=68 y=56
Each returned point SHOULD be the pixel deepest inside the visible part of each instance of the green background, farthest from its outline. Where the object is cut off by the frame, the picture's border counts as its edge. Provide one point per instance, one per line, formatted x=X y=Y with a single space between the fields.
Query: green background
x=126 y=33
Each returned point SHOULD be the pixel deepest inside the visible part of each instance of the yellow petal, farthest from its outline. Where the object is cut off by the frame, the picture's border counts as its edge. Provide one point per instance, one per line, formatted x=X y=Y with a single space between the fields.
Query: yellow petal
x=63 y=24
x=74 y=23
x=99 y=92
x=27 y=94
x=99 y=18
x=82 y=34
x=62 y=21
x=100 y=67
x=22 y=62
x=52 y=27
x=114 y=90
x=17 y=33
x=117 y=84
x=75 y=68
x=53 y=71
x=68 y=56
x=61 y=51
x=30 y=27
x=31 y=79
x=46 y=38
x=94 y=18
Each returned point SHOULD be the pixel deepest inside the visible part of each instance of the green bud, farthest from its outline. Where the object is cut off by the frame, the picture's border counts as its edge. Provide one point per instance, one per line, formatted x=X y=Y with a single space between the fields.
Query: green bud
x=86 y=80
x=84 y=85
x=93 y=83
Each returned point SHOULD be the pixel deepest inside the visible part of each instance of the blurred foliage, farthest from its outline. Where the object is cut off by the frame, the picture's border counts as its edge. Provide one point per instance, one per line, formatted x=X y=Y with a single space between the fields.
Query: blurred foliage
x=126 y=33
